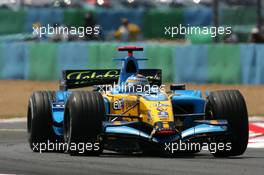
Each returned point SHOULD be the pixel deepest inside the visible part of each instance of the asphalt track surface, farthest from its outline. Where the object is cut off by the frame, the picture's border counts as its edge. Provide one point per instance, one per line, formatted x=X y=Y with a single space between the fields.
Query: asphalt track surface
x=17 y=158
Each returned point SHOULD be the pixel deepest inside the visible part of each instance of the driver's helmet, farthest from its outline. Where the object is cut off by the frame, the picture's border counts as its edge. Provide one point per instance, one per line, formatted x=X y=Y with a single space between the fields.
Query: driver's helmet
x=136 y=83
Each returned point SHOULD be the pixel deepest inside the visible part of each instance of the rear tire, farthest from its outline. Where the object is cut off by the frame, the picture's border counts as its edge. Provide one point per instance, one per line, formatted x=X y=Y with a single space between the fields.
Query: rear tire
x=230 y=105
x=84 y=113
x=39 y=120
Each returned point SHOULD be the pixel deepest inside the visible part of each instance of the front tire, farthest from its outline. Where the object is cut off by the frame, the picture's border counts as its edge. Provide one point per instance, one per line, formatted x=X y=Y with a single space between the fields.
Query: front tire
x=230 y=105
x=84 y=113
x=39 y=120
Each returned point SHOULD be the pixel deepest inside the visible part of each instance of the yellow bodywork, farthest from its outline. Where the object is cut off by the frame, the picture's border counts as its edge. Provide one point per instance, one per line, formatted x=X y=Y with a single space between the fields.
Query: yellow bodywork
x=137 y=108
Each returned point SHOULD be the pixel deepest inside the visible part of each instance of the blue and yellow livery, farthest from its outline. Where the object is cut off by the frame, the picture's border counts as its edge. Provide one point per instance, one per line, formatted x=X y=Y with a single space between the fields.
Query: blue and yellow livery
x=138 y=120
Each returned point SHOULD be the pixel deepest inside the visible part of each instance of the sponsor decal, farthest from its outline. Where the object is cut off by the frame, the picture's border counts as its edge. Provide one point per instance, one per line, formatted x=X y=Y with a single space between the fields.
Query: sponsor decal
x=159 y=105
x=161 y=108
x=163 y=114
x=84 y=75
x=118 y=104
x=153 y=75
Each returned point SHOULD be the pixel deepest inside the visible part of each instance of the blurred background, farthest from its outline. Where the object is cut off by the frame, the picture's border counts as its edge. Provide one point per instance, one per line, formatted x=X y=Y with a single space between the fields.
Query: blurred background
x=197 y=58
x=236 y=60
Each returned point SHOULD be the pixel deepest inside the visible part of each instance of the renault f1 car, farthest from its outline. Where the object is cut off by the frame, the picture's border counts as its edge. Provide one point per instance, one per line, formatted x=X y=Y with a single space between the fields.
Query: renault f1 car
x=128 y=110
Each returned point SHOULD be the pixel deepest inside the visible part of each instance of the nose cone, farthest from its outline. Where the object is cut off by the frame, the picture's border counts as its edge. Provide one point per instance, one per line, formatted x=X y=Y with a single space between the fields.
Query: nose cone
x=158 y=110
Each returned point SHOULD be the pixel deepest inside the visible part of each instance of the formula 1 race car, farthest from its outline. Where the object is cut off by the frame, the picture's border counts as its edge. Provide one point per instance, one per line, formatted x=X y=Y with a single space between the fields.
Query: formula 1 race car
x=130 y=111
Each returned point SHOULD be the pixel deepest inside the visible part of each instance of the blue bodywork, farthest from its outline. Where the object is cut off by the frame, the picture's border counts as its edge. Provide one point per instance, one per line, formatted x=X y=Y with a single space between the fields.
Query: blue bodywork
x=179 y=97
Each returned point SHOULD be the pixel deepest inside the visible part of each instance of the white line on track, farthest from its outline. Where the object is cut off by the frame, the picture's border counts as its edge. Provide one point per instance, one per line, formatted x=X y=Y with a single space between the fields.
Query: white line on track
x=13 y=120
x=256 y=145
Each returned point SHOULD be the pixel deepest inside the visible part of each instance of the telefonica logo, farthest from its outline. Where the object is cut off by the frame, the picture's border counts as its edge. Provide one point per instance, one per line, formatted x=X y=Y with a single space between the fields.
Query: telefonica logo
x=82 y=75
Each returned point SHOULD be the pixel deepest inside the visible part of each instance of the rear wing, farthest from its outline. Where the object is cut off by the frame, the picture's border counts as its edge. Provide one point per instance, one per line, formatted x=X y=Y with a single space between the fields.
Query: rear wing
x=83 y=78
